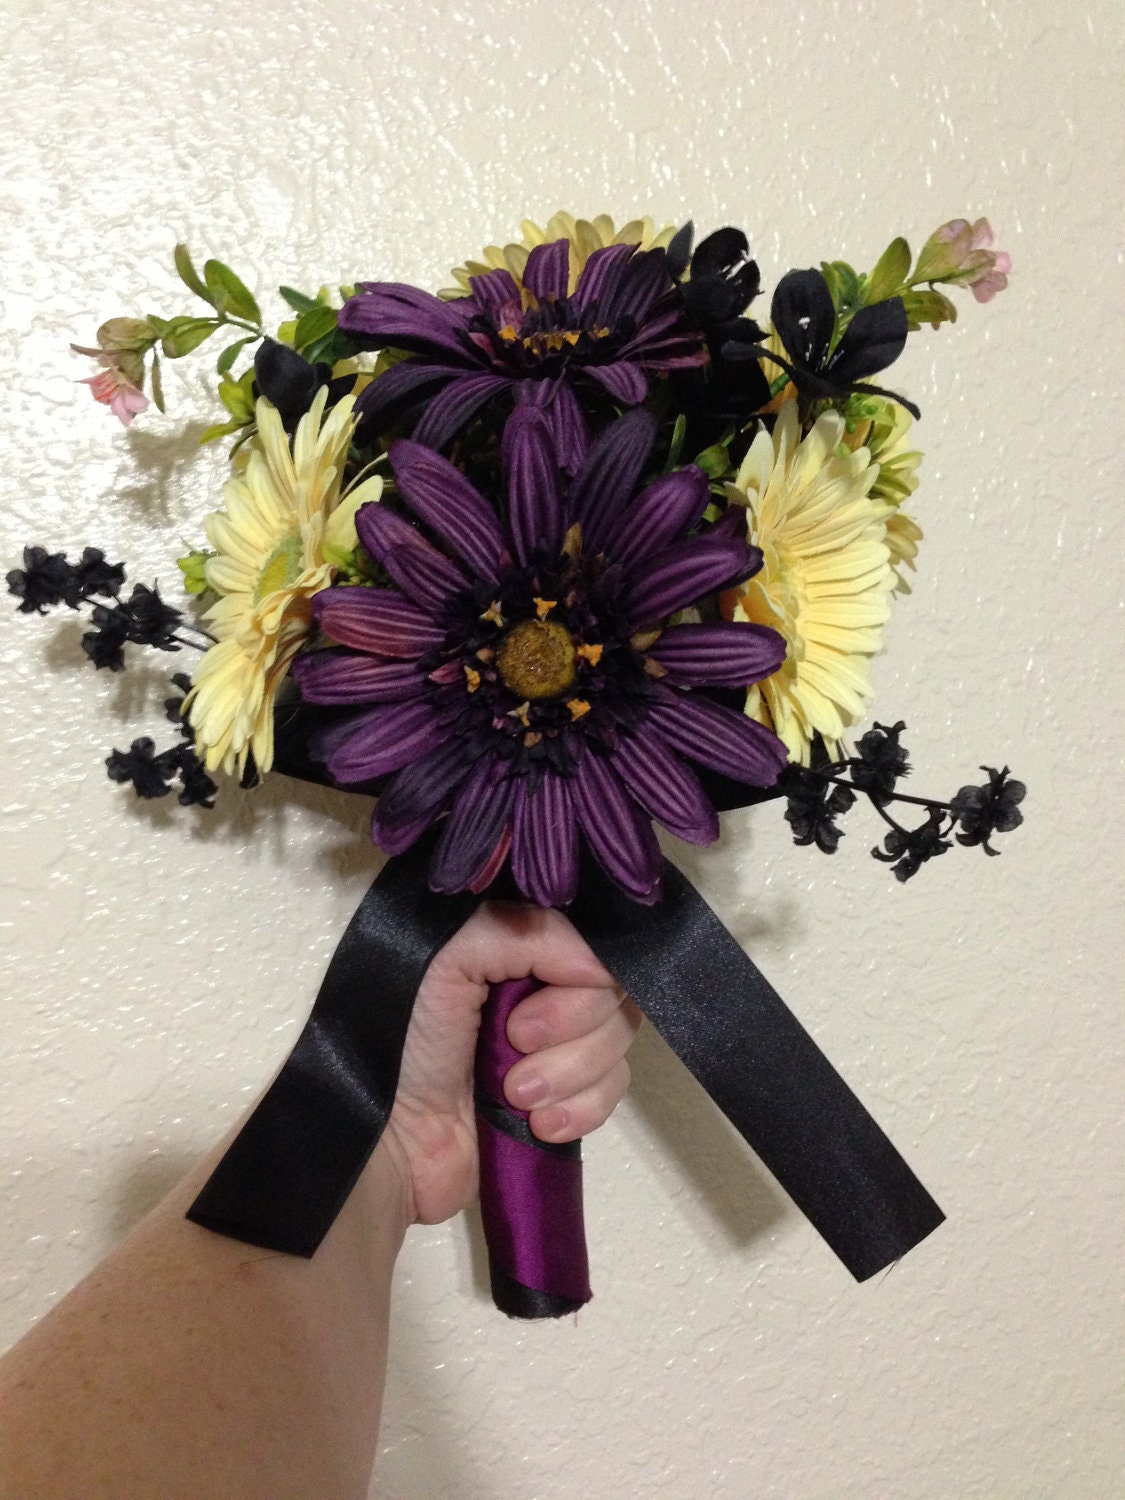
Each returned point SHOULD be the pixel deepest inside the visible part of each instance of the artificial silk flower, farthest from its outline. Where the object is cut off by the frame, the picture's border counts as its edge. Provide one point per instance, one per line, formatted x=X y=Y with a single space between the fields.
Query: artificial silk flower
x=274 y=546
x=531 y=344
x=644 y=586
x=826 y=578
x=961 y=254
x=525 y=679
x=111 y=388
x=886 y=435
x=583 y=236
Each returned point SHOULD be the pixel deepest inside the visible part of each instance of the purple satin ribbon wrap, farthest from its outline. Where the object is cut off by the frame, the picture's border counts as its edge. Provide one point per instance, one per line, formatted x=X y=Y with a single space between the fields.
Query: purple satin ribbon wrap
x=530 y=1190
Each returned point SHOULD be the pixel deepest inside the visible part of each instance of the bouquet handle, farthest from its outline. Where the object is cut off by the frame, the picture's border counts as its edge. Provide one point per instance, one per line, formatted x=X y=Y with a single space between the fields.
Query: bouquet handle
x=530 y=1190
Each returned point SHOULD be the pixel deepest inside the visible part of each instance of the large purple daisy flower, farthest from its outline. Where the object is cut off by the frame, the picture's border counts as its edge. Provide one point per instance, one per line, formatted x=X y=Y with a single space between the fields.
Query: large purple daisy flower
x=524 y=679
x=624 y=320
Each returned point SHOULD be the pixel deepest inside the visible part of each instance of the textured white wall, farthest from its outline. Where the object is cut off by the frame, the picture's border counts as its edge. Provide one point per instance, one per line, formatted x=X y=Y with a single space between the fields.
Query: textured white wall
x=159 y=965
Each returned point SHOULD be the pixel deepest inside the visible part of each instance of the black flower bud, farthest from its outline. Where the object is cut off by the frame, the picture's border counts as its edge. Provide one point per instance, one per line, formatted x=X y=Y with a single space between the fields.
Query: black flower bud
x=880 y=761
x=42 y=582
x=908 y=849
x=149 y=773
x=985 y=810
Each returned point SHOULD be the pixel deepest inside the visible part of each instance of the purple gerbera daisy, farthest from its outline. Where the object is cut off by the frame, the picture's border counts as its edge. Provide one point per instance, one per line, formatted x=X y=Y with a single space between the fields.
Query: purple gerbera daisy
x=524 y=678
x=624 y=320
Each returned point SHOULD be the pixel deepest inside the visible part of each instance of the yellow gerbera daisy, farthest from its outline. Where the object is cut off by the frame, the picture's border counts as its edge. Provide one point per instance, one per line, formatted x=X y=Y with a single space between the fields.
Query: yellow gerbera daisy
x=887 y=438
x=826 y=580
x=283 y=531
x=585 y=236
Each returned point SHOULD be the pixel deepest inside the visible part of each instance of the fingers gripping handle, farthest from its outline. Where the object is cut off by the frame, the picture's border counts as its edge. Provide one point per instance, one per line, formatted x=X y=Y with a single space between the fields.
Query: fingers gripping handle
x=530 y=1190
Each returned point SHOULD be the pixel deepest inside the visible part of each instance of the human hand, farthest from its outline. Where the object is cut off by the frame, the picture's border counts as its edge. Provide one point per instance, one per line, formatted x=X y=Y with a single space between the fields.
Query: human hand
x=575 y=1031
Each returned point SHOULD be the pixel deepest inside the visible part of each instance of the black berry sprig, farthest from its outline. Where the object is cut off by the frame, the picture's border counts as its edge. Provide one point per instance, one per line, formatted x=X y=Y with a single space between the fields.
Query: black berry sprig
x=151 y=772
x=48 y=580
x=821 y=793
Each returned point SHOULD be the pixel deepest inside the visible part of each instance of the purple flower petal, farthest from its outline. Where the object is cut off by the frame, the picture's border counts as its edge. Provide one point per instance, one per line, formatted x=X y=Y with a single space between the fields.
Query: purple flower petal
x=610 y=474
x=600 y=275
x=659 y=515
x=619 y=834
x=536 y=517
x=398 y=839
x=495 y=292
x=482 y=809
x=545 y=841
x=346 y=677
x=420 y=790
x=547 y=272
x=494 y=863
x=397 y=385
x=626 y=383
x=681 y=574
x=718 y=737
x=665 y=342
x=449 y=411
x=420 y=570
x=408 y=318
x=568 y=428
x=556 y=399
x=376 y=620
x=666 y=789
x=643 y=280
x=445 y=500
x=729 y=655
x=364 y=746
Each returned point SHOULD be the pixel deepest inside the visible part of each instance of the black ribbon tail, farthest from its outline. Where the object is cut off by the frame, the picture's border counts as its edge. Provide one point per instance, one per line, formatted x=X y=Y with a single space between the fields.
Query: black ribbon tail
x=763 y=1070
x=288 y=1172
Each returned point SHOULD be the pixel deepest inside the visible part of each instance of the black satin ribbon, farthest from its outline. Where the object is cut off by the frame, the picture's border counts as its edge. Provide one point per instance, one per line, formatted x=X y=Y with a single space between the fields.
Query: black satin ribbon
x=287 y=1174
x=731 y=1028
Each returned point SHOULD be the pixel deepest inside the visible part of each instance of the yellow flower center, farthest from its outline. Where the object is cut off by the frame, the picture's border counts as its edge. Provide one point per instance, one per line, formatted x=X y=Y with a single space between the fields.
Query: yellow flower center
x=283 y=567
x=537 y=659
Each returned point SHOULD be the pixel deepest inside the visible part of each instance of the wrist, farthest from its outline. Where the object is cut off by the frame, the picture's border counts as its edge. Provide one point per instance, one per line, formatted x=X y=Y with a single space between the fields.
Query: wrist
x=384 y=1197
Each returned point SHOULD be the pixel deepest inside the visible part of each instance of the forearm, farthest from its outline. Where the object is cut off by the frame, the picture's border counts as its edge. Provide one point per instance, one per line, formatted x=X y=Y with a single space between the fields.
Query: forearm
x=188 y=1364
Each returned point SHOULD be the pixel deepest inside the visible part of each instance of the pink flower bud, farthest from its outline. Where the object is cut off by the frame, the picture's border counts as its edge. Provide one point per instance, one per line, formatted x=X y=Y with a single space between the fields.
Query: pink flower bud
x=111 y=388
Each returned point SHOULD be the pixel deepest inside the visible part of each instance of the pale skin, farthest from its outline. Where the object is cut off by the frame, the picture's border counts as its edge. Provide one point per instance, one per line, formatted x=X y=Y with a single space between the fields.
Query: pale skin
x=189 y=1365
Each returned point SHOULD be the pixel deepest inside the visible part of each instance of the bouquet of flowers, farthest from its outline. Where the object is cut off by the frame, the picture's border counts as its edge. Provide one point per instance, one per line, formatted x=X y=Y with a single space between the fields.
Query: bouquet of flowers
x=573 y=546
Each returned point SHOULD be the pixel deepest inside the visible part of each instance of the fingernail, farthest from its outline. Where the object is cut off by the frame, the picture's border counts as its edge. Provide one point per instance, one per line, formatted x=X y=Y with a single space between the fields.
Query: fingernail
x=532 y=1035
x=552 y=1122
x=527 y=1092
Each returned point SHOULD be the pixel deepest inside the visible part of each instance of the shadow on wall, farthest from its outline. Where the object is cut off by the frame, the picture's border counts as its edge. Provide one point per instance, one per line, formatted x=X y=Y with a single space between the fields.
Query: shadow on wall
x=726 y=1184
x=143 y=1186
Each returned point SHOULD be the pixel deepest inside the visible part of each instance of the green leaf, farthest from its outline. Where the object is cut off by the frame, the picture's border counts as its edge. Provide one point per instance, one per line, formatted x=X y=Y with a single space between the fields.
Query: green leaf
x=157 y=383
x=714 y=461
x=238 y=397
x=313 y=325
x=133 y=334
x=229 y=294
x=928 y=306
x=132 y=366
x=891 y=271
x=182 y=335
x=227 y=358
x=189 y=275
x=221 y=429
x=297 y=300
x=676 y=447
x=333 y=346
x=192 y=566
x=845 y=284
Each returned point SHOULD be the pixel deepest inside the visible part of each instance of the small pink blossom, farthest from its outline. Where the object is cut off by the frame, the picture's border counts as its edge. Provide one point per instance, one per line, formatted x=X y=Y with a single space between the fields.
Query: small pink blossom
x=961 y=253
x=123 y=398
